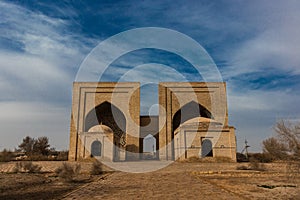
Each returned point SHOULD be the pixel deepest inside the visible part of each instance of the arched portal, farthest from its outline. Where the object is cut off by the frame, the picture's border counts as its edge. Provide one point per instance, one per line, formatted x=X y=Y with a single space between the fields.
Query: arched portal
x=106 y=114
x=96 y=148
x=188 y=111
x=206 y=148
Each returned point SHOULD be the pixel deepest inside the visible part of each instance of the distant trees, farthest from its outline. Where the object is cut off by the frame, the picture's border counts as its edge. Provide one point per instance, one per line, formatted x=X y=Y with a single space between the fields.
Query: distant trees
x=286 y=144
x=27 y=145
x=34 y=150
x=31 y=146
x=6 y=155
x=41 y=146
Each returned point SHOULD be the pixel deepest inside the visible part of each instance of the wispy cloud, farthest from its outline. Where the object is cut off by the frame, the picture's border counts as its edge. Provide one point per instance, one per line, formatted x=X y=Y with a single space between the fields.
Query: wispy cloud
x=38 y=63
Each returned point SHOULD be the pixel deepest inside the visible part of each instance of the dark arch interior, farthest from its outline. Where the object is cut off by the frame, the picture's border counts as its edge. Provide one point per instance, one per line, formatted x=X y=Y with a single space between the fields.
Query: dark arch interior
x=190 y=111
x=109 y=115
x=96 y=148
x=206 y=148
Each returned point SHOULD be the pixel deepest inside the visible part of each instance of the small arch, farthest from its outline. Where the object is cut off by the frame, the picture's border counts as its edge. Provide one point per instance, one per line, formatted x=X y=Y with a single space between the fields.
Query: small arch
x=149 y=143
x=206 y=148
x=96 y=148
x=149 y=147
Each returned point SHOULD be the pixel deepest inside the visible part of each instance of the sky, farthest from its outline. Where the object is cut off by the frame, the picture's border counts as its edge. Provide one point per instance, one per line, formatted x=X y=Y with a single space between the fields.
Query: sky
x=255 y=45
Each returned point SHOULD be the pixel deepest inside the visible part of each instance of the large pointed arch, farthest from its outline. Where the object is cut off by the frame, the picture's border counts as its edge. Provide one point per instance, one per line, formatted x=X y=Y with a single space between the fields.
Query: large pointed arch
x=189 y=111
x=106 y=114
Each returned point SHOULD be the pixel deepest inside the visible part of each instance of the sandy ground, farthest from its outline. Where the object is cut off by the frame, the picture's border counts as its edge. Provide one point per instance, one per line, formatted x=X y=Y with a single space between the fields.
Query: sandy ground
x=177 y=181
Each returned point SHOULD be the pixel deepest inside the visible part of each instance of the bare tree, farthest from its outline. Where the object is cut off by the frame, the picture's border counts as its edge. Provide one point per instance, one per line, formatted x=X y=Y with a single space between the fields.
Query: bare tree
x=286 y=144
x=289 y=134
x=275 y=148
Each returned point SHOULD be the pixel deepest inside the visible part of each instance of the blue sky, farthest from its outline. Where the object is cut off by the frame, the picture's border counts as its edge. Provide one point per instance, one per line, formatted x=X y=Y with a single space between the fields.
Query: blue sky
x=255 y=45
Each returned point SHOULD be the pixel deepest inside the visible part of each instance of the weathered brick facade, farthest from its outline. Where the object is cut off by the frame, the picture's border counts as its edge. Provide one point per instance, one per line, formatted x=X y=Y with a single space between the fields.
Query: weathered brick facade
x=106 y=115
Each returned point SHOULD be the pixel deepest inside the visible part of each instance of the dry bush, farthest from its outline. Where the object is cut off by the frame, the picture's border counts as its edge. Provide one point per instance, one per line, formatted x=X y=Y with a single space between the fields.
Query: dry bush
x=26 y=167
x=242 y=167
x=68 y=172
x=286 y=146
x=256 y=165
x=275 y=148
x=253 y=165
x=97 y=168
x=262 y=157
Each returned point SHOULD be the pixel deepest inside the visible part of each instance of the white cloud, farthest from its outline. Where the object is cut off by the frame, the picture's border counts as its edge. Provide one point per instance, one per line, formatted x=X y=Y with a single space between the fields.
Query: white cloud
x=36 y=75
x=275 y=42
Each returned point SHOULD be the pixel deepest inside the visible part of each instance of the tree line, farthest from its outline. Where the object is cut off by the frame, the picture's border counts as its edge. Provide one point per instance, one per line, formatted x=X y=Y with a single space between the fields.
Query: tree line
x=33 y=149
x=31 y=146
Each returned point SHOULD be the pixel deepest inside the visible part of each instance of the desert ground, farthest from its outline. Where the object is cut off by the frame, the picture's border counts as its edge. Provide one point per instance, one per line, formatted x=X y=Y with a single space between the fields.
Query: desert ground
x=179 y=180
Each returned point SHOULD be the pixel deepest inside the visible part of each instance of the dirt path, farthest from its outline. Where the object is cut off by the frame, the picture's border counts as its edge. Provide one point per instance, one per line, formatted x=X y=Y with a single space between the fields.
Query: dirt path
x=192 y=181
x=164 y=184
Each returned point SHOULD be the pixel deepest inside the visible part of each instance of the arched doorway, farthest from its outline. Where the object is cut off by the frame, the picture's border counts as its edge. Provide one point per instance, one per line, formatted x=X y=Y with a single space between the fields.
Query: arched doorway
x=96 y=148
x=206 y=148
x=191 y=110
x=149 y=147
x=111 y=116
